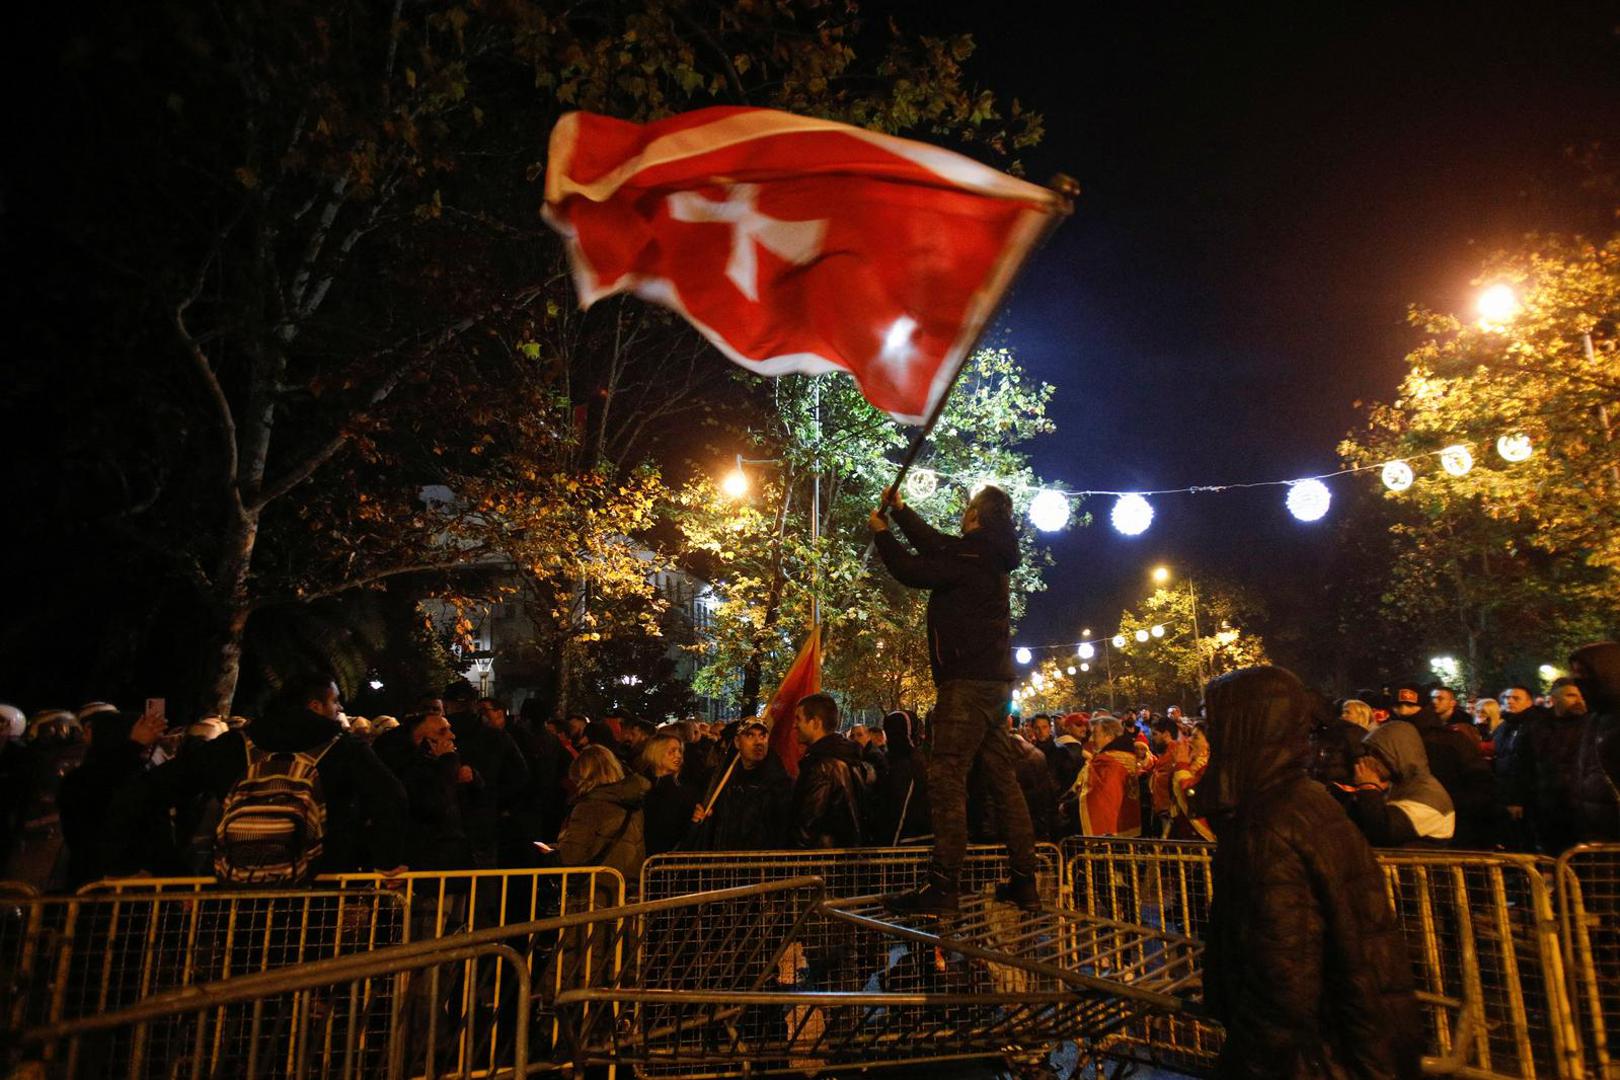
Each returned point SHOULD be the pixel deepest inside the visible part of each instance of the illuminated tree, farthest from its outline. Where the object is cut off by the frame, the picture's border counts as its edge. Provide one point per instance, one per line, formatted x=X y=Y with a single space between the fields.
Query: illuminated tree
x=1514 y=560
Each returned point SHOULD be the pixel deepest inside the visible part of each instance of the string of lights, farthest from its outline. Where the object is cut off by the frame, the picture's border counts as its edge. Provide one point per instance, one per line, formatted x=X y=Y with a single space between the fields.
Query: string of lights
x=1308 y=498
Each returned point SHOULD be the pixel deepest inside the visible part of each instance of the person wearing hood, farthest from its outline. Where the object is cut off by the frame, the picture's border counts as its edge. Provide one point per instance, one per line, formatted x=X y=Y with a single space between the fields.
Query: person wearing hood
x=828 y=795
x=970 y=653
x=1596 y=669
x=903 y=790
x=1454 y=760
x=1304 y=963
x=605 y=826
x=1515 y=794
x=1395 y=801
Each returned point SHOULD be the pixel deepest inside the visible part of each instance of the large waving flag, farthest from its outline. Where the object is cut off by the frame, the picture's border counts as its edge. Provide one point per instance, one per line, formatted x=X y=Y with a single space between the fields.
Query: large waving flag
x=801 y=680
x=797 y=245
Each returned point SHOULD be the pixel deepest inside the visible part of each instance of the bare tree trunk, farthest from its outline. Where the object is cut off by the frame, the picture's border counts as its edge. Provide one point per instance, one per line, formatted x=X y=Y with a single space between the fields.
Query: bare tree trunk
x=238 y=606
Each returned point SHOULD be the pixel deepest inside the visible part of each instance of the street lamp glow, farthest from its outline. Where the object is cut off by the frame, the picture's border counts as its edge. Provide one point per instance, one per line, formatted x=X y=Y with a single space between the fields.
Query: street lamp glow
x=1397 y=475
x=1070 y=669
x=1049 y=510
x=1444 y=666
x=735 y=485
x=1085 y=667
x=1131 y=515
x=1497 y=305
x=1023 y=656
x=1308 y=500
x=1514 y=448
x=1161 y=574
x=1142 y=636
x=375 y=684
x=1547 y=672
x=1456 y=459
x=1158 y=630
x=921 y=483
x=1085 y=633
x=1087 y=650
x=1119 y=641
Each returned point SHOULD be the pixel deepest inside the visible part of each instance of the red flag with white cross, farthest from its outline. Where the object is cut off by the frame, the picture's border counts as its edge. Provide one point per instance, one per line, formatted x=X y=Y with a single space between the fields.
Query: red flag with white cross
x=797 y=245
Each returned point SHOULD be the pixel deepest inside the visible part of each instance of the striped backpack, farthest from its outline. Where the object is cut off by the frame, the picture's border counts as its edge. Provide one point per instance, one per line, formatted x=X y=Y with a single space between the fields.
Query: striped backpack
x=273 y=819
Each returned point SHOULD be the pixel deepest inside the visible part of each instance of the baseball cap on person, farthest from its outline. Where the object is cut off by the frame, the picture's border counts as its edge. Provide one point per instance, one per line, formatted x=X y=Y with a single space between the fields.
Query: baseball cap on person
x=1408 y=695
x=753 y=722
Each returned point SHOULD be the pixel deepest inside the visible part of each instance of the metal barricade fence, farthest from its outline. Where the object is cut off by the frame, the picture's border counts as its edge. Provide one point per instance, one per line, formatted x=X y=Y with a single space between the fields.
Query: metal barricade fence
x=441 y=904
x=374 y=1015
x=1479 y=928
x=66 y=958
x=1589 y=918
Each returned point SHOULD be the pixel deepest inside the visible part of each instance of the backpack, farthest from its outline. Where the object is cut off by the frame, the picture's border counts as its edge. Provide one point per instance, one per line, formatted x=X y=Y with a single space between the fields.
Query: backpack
x=273 y=819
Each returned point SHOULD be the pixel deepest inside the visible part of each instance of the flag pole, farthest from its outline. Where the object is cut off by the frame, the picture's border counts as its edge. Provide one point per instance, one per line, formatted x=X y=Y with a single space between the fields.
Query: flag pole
x=1068 y=189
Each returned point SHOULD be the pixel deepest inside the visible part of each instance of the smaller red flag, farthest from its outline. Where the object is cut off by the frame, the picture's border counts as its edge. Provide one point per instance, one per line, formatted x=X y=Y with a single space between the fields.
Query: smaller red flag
x=802 y=679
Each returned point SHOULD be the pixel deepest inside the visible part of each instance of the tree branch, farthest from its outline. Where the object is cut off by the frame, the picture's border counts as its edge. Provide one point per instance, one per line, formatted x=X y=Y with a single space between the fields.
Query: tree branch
x=205 y=370
x=466 y=561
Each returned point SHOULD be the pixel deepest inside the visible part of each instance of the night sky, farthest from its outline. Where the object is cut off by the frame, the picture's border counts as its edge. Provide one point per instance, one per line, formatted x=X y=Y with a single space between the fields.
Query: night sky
x=1265 y=193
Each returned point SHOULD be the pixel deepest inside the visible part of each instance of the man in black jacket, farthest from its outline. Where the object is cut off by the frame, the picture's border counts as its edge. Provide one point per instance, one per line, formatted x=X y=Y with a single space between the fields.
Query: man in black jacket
x=1304 y=963
x=1596 y=668
x=827 y=797
x=969 y=649
x=751 y=811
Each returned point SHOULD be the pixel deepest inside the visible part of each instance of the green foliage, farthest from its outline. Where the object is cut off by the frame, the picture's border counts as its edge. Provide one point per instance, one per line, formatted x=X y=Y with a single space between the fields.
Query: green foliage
x=767 y=568
x=1513 y=562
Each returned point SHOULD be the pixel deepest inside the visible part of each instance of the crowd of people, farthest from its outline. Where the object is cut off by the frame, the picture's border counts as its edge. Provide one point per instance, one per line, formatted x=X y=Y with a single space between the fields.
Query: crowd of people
x=462 y=783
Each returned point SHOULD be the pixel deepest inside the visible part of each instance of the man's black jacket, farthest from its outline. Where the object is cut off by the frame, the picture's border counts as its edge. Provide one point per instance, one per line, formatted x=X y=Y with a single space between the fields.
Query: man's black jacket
x=827 y=796
x=969 y=617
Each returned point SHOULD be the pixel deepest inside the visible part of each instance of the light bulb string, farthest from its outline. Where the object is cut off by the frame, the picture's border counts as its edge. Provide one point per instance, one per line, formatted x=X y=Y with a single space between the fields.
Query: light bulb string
x=1199 y=489
x=1102 y=642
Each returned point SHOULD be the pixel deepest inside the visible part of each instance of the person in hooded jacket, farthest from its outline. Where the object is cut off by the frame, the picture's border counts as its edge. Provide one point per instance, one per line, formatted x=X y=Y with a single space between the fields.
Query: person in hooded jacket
x=1596 y=668
x=970 y=654
x=903 y=794
x=1395 y=801
x=1454 y=760
x=1304 y=963
x=99 y=840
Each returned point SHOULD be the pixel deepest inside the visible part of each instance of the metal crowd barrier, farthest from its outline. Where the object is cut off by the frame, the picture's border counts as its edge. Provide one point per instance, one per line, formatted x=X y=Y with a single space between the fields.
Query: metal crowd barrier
x=69 y=958
x=1480 y=929
x=1589 y=917
x=442 y=905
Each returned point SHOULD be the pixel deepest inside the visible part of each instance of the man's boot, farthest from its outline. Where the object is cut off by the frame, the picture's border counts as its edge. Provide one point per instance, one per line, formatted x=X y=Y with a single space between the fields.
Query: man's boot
x=938 y=895
x=1020 y=889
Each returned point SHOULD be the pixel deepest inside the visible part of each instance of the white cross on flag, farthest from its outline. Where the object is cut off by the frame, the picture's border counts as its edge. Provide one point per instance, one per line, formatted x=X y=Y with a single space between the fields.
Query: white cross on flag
x=797 y=245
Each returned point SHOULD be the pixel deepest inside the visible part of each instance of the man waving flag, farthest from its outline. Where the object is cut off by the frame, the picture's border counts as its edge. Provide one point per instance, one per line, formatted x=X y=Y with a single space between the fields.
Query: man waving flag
x=797 y=245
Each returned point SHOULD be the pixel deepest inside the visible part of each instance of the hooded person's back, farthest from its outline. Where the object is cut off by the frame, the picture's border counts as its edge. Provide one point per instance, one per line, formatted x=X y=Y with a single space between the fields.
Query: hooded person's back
x=1304 y=962
x=1415 y=809
x=1456 y=762
x=1597 y=785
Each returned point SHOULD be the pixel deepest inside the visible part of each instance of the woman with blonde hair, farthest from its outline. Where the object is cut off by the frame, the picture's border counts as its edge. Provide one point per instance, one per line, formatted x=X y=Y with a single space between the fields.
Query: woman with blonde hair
x=604 y=826
x=670 y=804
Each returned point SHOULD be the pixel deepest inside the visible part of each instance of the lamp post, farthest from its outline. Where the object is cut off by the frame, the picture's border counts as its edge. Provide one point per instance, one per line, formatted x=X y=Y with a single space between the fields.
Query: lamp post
x=1161 y=576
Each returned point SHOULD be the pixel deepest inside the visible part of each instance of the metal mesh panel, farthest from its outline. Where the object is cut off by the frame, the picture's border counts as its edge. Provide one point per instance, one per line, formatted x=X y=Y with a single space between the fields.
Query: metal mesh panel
x=444 y=904
x=68 y=958
x=379 y=1019
x=1478 y=928
x=1589 y=913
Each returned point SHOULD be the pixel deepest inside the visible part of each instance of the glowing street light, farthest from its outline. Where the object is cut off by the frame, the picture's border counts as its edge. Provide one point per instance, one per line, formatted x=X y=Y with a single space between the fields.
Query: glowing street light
x=1497 y=306
x=1087 y=650
x=1119 y=641
x=921 y=483
x=1085 y=667
x=735 y=485
x=1158 y=630
x=1141 y=637
x=1070 y=669
x=1023 y=656
x=1161 y=574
